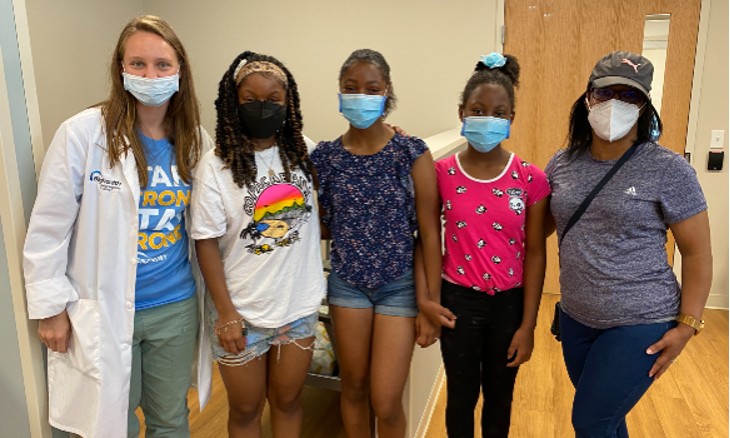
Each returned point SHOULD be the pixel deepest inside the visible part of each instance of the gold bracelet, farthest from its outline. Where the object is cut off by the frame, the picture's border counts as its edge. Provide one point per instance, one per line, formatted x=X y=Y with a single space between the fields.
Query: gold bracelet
x=224 y=328
x=689 y=320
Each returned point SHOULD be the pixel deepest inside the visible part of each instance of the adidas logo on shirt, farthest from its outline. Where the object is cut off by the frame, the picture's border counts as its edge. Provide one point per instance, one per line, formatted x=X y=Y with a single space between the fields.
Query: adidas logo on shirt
x=631 y=191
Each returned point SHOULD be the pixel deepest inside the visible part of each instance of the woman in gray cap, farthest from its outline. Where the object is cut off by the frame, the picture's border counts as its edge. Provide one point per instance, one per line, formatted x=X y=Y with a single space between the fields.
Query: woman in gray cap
x=624 y=317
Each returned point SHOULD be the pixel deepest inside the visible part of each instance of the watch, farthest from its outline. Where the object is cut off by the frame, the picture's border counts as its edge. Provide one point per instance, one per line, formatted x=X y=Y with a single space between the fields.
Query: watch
x=697 y=324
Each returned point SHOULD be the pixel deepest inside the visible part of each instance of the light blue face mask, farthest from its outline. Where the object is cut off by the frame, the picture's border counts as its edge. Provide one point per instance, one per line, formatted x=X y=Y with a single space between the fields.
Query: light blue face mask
x=361 y=110
x=151 y=92
x=485 y=133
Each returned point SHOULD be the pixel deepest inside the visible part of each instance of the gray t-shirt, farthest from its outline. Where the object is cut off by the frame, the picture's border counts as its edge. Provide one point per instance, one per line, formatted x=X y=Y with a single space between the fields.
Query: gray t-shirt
x=613 y=262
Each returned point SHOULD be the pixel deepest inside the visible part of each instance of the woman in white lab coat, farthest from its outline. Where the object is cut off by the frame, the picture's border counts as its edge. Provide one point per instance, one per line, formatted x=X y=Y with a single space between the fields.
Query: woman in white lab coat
x=107 y=262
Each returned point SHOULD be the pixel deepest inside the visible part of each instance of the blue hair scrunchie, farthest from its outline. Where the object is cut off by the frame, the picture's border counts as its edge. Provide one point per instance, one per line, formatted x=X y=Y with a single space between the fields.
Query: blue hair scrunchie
x=493 y=60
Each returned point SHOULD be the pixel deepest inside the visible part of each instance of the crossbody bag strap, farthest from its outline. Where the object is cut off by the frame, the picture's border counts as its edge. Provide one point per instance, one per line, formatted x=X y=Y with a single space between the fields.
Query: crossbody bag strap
x=587 y=201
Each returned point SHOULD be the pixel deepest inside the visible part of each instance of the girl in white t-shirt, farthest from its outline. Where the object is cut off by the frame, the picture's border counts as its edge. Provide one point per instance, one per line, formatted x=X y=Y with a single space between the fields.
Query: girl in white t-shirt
x=258 y=242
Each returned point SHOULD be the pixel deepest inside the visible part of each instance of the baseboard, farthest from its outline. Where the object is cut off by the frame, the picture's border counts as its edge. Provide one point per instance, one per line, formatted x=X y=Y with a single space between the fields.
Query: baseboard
x=718 y=301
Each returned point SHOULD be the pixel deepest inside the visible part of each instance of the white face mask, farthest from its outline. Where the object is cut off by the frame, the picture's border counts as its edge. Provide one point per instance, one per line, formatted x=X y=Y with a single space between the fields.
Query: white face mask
x=612 y=119
x=151 y=92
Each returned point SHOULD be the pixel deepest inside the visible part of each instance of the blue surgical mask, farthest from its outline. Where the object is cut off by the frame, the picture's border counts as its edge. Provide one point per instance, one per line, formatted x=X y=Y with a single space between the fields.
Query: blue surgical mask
x=151 y=92
x=362 y=110
x=485 y=133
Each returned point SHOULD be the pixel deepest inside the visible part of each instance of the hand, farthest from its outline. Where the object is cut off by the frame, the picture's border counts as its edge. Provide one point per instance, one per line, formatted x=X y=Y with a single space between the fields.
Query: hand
x=55 y=332
x=231 y=333
x=439 y=315
x=397 y=129
x=670 y=345
x=427 y=333
x=520 y=349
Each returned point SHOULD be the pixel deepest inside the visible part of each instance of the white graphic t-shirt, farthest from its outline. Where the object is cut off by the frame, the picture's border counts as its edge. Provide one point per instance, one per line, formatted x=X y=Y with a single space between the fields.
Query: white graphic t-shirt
x=269 y=238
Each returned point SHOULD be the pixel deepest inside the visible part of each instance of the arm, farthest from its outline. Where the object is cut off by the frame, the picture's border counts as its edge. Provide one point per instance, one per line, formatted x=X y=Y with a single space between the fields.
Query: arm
x=520 y=348
x=324 y=230
x=693 y=240
x=427 y=257
x=549 y=220
x=230 y=337
x=431 y=314
x=426 y=332
x=429 y=222
x=46 y=250
x=429 y=303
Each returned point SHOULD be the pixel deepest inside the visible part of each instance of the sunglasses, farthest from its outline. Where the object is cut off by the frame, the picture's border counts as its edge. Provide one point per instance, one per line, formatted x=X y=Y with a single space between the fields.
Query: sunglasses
x=628 y=96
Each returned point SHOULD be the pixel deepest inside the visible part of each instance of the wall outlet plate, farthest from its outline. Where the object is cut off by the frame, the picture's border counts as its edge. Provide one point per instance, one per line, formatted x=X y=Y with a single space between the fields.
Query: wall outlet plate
x=717 y=139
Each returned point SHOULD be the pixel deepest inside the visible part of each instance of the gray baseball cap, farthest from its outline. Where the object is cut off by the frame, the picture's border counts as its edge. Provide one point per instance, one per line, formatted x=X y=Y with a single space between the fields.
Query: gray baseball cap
x=623 y=68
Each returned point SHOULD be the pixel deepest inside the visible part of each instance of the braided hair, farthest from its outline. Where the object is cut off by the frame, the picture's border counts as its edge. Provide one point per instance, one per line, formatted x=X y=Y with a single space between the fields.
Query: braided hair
x=507 y=76
x=236 y=149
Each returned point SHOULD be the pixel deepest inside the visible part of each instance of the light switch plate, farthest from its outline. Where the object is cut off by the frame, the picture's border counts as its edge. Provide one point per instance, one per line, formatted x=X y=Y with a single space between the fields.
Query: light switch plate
x=717 y=139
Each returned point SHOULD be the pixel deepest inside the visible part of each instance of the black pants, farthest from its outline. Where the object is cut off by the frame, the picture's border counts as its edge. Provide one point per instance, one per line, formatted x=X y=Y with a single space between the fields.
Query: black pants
x=475 y=357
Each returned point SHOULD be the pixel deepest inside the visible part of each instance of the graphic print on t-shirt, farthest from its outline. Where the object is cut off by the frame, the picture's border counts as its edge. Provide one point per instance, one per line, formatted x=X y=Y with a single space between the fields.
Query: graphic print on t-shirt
x=161 y=209
x=278 y=209
x=516 y=203
x=163 y=269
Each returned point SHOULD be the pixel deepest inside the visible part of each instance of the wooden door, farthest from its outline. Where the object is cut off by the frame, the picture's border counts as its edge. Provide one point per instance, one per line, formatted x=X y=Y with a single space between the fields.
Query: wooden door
x=557 y=43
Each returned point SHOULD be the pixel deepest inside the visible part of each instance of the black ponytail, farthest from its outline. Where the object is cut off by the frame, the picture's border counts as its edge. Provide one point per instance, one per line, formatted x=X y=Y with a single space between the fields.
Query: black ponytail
x=508 y=76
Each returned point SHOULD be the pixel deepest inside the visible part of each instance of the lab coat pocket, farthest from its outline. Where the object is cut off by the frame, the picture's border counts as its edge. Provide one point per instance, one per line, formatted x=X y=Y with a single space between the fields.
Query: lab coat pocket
x=84 y=349
x=68 y=390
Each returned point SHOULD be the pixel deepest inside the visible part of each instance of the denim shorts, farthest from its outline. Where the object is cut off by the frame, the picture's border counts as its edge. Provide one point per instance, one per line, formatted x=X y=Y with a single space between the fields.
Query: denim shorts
x=397 y=298
x=259 y=340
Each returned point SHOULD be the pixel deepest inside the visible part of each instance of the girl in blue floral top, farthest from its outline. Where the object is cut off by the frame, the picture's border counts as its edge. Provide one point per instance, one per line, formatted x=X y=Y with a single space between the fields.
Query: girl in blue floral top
x=376 y=189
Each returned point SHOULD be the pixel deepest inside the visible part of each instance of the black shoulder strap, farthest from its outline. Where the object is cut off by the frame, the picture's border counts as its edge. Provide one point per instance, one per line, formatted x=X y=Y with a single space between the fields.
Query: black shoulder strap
x=587 y=201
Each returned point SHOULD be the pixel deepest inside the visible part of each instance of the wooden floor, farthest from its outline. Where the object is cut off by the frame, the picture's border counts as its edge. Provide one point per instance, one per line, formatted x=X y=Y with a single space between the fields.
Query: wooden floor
x=689 y=400
x=321 y=413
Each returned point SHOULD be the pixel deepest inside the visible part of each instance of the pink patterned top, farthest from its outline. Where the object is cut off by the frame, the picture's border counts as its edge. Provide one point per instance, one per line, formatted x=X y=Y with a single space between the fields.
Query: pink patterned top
x=484 y=230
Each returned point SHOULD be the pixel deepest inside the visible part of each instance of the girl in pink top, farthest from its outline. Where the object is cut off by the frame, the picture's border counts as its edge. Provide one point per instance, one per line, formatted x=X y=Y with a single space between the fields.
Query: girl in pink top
x=494 y=206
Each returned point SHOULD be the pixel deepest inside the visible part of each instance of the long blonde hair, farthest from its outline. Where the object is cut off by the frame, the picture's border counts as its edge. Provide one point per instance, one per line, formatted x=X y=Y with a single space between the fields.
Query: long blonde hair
x=182 y=119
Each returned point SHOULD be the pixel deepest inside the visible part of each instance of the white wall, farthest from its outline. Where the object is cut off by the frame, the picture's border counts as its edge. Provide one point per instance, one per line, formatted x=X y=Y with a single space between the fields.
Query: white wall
x=656 y=35
x=710 y=112
x=431 y=46
x=424 y=41
x=72 y=44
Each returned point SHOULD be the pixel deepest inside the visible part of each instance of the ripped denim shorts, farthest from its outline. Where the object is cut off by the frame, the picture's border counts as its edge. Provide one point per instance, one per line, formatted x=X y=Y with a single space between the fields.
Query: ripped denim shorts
x=259 y=340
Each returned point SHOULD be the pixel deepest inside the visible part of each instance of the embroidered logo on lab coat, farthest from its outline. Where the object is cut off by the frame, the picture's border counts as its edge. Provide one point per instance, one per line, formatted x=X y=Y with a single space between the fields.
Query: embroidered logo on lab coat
x=104 y=183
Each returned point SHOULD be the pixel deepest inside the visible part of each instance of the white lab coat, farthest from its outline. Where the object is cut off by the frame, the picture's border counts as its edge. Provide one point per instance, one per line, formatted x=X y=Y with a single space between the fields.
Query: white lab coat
x=80 y=254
